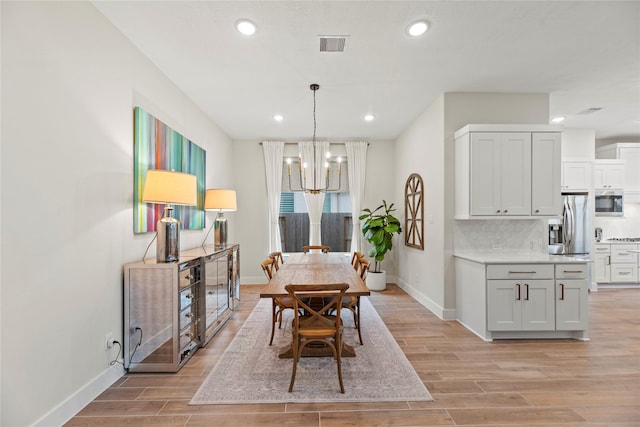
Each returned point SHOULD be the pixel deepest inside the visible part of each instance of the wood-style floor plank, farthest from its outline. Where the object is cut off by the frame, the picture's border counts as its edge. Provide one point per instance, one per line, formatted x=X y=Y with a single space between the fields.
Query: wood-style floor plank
x=523 y=383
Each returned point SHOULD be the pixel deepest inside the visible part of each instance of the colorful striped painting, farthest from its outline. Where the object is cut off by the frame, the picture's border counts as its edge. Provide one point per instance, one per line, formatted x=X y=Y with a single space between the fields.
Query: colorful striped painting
x=157 y=146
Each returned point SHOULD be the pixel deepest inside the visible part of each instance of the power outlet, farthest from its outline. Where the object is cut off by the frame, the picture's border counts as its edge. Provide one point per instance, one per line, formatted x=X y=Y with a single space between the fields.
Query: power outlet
x=109 y=339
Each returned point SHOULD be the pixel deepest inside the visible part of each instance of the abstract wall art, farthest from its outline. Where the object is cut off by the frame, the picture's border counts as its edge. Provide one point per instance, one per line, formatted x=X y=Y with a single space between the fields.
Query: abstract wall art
x=157 y=146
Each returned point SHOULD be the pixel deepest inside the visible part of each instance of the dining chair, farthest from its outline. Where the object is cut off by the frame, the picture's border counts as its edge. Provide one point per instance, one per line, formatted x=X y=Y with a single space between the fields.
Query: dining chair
x=278 y=304
x=315 y=326
x=355 y=258
x=322 y=248
x=352 y=303
x=277 y=258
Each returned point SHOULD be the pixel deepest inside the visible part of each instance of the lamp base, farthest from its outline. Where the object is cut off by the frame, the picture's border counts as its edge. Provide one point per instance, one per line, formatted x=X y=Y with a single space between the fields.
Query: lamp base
x=220 y=230
x=168 y=245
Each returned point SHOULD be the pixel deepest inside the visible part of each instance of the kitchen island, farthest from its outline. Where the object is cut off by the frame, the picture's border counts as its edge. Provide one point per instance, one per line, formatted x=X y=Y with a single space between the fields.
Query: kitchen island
x=522 y=295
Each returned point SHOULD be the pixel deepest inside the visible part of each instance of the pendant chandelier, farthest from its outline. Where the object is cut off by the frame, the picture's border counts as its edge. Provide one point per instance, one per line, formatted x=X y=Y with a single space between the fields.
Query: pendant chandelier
x=314 y=178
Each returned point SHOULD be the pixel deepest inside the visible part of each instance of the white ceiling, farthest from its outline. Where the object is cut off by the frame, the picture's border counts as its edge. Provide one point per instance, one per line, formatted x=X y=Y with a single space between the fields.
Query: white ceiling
x=585 y=54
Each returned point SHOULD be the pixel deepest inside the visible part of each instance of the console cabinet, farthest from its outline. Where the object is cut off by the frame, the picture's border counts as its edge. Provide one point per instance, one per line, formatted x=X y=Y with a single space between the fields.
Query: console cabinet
x=172 y=309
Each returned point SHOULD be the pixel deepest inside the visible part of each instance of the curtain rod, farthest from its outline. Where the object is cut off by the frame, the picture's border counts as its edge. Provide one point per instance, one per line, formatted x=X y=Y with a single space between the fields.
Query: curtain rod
x=295 y=143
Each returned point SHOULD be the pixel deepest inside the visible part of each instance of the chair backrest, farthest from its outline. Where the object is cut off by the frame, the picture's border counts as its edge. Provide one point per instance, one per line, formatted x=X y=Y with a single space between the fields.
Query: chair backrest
x=268 y=268
x=355 y=259
x=277 y=259
x=331 y=295
x=324 y=249
x=363 y=267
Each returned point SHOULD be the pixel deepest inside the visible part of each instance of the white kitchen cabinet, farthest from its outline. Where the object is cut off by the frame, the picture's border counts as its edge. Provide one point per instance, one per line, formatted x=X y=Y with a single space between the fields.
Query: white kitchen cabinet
x=517 y=300
x=507 y=171
x=608 y=174
x=576 y=176
x=572 y=297
x=546 y=198
x=602 y=263
x=629 y=152
x=529 y=296
x=624 y=264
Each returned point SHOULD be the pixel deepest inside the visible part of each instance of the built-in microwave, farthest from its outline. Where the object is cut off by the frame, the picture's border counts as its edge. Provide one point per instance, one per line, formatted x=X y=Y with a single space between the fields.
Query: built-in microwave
x=609 y=203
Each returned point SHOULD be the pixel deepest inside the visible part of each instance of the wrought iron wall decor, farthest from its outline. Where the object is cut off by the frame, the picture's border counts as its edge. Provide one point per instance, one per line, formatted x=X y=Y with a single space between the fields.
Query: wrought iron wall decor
x=414 y=212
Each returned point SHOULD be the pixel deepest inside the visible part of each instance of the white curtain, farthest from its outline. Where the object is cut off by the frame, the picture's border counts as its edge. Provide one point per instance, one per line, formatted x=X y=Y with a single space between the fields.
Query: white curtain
x=357 y=168
x=273 y=153
x=314 y=201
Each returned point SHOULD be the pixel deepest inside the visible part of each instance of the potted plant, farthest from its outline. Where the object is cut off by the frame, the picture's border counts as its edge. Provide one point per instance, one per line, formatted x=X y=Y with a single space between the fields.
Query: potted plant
x=378 y=228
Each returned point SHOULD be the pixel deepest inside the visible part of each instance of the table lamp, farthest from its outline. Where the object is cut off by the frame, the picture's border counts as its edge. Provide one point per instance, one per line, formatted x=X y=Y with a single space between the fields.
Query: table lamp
x=169 y=187
x=221 y=201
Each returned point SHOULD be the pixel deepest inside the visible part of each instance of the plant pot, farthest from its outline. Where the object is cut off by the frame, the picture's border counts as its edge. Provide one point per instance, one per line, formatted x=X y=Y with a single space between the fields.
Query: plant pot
x=377 y=281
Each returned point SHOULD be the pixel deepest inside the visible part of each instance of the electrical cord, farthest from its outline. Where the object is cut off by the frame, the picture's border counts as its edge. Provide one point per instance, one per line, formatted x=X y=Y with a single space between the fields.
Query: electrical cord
x=147 y=250
x=137 y=345
x=114 y=361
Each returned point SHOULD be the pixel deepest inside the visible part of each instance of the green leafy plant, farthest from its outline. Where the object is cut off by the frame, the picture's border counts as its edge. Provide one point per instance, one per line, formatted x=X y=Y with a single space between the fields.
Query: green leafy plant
x=378 y=228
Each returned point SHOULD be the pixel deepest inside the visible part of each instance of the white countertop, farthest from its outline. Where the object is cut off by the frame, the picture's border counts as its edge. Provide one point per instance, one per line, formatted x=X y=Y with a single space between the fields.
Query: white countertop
x=497 y=257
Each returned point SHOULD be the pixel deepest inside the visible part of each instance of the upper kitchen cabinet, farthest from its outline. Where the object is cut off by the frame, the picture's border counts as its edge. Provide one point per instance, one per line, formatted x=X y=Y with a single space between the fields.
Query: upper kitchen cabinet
x=507 y=171
x=608 y=174
x=576 y=176
x=630 y=153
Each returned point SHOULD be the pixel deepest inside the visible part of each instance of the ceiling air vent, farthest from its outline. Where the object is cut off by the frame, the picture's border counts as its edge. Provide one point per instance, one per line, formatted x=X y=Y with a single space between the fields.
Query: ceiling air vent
x=590 y=111
x=333 y=43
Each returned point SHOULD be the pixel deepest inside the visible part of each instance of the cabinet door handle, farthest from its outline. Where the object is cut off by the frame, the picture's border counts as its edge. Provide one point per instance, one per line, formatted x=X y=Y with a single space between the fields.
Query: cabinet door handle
x=609 y=260
x=561 y=291
x=505 y=211
x=526 y=288
x=518 y=285
x=537 y=210
x=498 y=211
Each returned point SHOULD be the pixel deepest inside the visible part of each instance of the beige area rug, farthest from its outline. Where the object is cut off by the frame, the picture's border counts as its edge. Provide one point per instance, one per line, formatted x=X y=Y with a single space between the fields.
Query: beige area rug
x=250 y=371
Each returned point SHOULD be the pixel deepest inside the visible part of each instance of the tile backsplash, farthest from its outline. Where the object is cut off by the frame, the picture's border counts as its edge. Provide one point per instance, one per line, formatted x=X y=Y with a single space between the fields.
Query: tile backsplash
x=512 y=235
x=627 y=226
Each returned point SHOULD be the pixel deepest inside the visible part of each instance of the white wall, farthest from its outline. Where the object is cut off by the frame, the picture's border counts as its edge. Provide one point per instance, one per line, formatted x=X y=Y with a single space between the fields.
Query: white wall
x=578 y=144
x=426 y=147
x=70 y=81
x=251 y=218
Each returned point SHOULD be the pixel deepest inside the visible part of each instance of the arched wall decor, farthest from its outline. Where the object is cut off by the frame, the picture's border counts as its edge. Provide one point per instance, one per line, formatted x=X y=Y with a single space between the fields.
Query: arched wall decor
x=414 y=212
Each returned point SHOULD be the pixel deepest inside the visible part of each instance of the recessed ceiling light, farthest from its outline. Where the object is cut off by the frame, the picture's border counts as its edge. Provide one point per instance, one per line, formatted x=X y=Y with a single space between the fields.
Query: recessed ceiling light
x=418 y=28
x=369 y=117
x=246 y=27
x=558 y=119
x=278 y=117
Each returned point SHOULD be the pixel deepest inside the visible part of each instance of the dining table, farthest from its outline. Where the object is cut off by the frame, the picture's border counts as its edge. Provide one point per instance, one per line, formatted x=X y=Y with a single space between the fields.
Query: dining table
x=315 y=268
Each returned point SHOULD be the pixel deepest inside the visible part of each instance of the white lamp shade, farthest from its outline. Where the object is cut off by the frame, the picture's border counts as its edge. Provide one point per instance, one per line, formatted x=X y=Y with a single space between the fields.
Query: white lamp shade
x=220 y=200
x=176 y=188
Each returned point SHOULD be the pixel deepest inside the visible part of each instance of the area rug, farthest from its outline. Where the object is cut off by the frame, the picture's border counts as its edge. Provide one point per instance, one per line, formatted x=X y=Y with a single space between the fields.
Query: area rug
x=250 y=371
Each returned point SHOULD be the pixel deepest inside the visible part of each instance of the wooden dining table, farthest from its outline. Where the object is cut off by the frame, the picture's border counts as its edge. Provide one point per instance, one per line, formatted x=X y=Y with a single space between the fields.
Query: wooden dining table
x=315 y=268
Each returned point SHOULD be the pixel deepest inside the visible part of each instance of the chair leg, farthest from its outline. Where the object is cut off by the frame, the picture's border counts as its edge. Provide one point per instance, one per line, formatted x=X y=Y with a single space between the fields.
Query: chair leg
x=357 y=319
x=296 y=354
x=338 y=361
x=273 y=319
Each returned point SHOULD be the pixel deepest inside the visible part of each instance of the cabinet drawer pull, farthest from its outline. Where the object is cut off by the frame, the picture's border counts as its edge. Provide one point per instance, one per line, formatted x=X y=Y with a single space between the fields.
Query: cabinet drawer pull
x=522 y=272
x=624 y=272
x=624 y=253
x=518 y=285
x=573 y=271
x=561 y=291
x=498 y=211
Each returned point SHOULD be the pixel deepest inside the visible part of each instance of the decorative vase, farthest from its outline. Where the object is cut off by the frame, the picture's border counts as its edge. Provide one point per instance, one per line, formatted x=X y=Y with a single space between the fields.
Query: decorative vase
x=377 y=281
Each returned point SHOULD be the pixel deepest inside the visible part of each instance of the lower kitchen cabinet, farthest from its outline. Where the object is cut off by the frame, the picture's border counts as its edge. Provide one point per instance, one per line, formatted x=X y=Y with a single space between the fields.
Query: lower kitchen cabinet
x=520 y=298
x=511 y=301
x=572 y=297
x=613 y=263
x=602 y=263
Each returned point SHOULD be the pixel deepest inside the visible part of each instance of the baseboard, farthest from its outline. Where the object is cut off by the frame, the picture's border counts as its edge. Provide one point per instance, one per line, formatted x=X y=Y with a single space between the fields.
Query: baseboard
x=432 y=306
x=81 y=398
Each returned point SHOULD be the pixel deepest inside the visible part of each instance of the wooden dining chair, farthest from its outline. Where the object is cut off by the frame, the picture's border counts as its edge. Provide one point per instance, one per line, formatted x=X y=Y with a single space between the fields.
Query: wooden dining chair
x=278 y=304
x=322 y=248
x=352 y=303
x=315 y=326
x=355 y=258
x=277 y=258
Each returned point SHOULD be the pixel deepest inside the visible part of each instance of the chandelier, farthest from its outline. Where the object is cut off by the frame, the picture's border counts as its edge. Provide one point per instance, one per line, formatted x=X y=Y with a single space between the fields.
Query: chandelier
x=314 y=178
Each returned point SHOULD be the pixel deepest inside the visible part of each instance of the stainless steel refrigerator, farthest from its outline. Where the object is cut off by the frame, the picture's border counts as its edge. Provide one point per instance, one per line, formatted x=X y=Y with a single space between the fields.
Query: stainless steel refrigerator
x=570 y=235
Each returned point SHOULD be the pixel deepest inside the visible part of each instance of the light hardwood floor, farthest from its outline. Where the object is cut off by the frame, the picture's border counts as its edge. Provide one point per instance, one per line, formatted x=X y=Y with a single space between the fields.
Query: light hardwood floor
x=474 y=383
